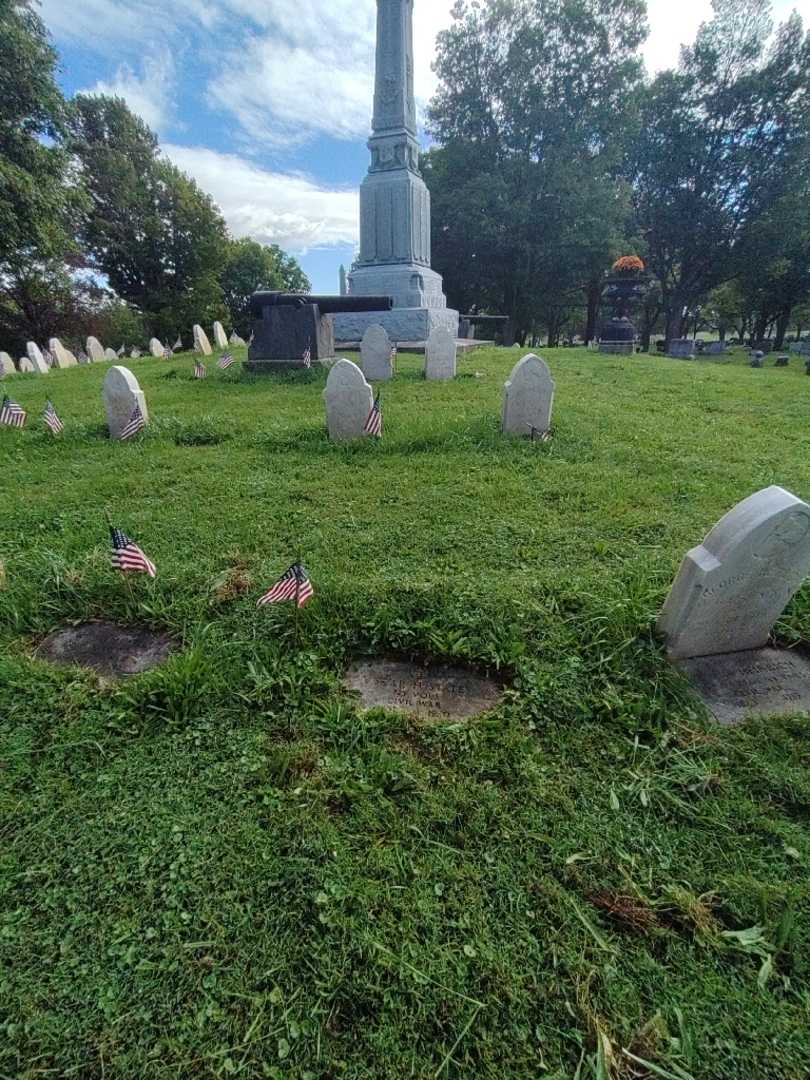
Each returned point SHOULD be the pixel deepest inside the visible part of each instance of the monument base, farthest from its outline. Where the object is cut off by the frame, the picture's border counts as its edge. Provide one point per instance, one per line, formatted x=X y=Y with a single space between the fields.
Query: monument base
x=401 y=324
x=270 y=367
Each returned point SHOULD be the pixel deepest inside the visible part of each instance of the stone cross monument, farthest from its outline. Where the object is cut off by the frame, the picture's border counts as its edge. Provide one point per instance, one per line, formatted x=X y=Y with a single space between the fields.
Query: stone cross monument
x=395 y=202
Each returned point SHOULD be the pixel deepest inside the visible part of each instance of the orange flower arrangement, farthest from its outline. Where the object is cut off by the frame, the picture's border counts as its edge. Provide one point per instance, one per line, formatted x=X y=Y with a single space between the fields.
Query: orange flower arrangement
x=629 y=264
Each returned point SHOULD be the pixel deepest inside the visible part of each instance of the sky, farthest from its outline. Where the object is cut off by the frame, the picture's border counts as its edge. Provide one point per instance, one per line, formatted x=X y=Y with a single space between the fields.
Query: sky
x=267 y=103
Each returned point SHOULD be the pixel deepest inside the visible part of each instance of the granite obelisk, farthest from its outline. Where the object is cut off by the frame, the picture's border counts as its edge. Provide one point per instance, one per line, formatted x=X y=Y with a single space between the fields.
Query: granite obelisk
x=395 y=202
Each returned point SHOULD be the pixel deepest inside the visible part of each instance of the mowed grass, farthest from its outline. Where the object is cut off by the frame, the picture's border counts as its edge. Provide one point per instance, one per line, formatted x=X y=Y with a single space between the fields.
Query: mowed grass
x=221 y=868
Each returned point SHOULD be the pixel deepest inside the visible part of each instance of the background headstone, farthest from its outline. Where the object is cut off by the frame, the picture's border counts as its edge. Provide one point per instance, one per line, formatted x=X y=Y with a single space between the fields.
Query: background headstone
x=375 y=355
x=237 y=341
x=440 y=355
x=95 y=350
x=730 y=591
x=782 y=361
x=716 y=348
x=348 y=401
x=26 y=366
x=156 y=348
x=6 y=364
x=201 y=342
x=682 y=349
x=83 y=358
x=220 y=337
x=121 y=394
x=528 y=398
x=110 y=354
x=37 y=359
x=62 y=357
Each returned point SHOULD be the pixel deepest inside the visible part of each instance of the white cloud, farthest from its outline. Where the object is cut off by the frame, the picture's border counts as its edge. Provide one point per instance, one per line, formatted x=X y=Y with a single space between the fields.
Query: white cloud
x=150 y=94
x=273 y=208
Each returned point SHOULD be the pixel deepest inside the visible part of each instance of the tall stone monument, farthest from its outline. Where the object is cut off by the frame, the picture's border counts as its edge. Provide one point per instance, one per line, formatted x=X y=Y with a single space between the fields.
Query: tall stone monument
x=395 y=202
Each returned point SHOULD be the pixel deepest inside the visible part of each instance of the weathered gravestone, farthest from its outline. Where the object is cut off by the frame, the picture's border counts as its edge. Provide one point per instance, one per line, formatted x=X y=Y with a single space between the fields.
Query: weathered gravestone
x=201 y=342
x=757 y=359
x=682 y=349
x=716 y=348
x=440 y=355
x=757 y=682
x=731 y=590
x=432 y=692
x=156 y=348
x=782 y=361
x=237 y=341
x=121 y=394
x=83 y=358
x=37 y=359
x=116 y=652
x=528 y=398
x=62 y=357
x=348 y=401
x=220 y=337
x=375 y=355
x=95 y=350
x=6 y=364
x=110 y=354
x=26 y=366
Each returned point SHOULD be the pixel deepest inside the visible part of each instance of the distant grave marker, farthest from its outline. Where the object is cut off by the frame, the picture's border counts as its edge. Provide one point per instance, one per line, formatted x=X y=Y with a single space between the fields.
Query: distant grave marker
x=440 y=355
x=36 y=358
x=62 y=357
x=375 y=355
x=201 y=342
x=6 y=365
x=220 y=337
x=95 y=350
x=528 y=399
x=156 y=348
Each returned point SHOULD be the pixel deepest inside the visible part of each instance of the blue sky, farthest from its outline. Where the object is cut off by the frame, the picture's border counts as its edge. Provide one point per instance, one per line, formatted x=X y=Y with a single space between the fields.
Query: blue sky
x=267 y=103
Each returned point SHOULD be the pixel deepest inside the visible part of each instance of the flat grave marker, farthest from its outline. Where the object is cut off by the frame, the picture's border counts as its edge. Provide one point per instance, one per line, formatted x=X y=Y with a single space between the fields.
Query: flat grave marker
x=430 y=692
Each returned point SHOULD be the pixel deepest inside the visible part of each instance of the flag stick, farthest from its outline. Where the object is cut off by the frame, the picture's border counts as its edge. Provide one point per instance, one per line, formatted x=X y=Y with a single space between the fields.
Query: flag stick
x=299 y=564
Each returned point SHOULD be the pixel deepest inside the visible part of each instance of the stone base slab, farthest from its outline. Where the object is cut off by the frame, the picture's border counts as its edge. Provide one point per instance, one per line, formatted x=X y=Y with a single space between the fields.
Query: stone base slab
x=401 y=324
x=757 y=682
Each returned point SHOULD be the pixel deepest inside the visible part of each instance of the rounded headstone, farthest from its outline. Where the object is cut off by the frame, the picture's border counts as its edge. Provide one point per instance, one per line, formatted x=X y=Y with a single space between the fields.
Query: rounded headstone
x=95 y=350
x=110 y=354
x=121 y=394
x=440 y=355
x=528 y=398
x=375 y=354
x=6 y=364
x=34 y=354
x=27 y=367
x=156 y=348
x=201 y=342
x=349 y=399
x=220 y=337
x=62 y=357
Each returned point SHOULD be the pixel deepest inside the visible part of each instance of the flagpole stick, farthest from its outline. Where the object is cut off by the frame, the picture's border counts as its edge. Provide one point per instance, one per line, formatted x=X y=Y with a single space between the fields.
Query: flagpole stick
x=297 y=605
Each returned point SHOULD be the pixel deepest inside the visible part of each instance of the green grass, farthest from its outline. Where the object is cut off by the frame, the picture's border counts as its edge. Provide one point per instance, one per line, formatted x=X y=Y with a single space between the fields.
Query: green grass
x=221 y=869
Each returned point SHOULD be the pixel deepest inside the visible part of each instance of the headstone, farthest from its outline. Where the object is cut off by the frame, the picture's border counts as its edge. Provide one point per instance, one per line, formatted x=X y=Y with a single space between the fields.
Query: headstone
x=6 y=364
x=156 y=348
x=62 y=357
x=113 y=651
x=434 y=692
x=135 y=354
x=220 y=337
x=528 y=398
x=758 y=682
x=716 y=348
x=783 y=361
x=682 y=349
x=121 y=394
x=83 y=358
x=757 y=360
x=375 y=355
x=440 y=355
x=26 y=366
x=201 y=342
x=110 y=354
x=237 y=341
x=95 y=350
x=349 y=399
x=37 y=359
x=730 y=591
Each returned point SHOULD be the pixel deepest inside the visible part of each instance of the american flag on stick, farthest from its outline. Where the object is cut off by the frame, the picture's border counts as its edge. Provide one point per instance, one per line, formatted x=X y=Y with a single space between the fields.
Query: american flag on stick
x=136 y=424
x=294 y=585
x=12 y=414
x=52 y=421
x=307 y=357
x=199 y=369
x=225 y=361
x=128 y=557
x=374 y=424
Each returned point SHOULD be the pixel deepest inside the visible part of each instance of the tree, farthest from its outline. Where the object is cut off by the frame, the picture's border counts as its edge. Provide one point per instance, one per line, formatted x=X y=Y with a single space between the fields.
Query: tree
x=250 y=266
x=721 y=140
x=45 y=300
x=37 y=196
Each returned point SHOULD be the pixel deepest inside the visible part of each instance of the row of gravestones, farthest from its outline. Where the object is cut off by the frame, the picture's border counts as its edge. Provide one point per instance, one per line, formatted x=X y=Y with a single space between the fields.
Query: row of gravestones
x=203 y=345
x=377 y=355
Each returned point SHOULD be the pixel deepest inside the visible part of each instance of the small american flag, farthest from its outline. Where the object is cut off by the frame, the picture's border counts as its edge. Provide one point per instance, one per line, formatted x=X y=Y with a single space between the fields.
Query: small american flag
x=128 y=557
x=225 y=361
x=11 y=414
x=199 y=370
x=136 y=424
x=52 y=421
x=294 y=585
x=178 y=345
x=308 y=355
x=374 y=424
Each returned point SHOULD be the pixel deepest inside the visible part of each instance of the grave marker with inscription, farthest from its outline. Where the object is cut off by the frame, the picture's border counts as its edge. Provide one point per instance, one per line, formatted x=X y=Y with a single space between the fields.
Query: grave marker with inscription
x=433 y=692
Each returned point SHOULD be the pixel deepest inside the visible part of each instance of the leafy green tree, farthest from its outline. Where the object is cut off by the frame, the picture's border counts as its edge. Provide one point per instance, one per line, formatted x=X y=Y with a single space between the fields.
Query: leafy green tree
x=251 y=266
x=721 y=140
x=43 y=300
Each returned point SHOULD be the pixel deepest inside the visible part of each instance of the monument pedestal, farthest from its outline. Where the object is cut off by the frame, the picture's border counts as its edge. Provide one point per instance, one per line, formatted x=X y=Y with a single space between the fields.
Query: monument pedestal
x=401 y=324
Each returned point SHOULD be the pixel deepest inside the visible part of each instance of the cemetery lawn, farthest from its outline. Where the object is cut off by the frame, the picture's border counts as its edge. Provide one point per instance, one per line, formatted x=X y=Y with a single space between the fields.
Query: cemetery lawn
x=222 y=869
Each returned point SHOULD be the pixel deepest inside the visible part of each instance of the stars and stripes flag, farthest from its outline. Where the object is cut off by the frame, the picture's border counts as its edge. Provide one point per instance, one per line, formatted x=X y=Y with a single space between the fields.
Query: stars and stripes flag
x=307 y=357
x=52 y=421
x=12 y=414
x=225 y=361
x=128 y=557
x=294 y=585
x=374 y=424
x=178 y=345
x=199 y=369
x=136 y=424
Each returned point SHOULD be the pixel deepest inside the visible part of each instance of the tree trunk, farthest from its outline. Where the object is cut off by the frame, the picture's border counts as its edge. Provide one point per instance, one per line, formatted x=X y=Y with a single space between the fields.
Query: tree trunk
x=594 y=297
x=782 y=324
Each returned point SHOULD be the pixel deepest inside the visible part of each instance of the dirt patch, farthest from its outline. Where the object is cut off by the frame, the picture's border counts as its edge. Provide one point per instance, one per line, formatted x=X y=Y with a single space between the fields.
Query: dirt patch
x=116 y=652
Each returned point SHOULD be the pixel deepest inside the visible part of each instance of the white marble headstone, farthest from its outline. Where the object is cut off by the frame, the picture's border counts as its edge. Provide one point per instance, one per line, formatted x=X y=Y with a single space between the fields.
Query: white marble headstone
x=62 y=357
x=201 y=342
x=121 y=394
x=26 y=366
x=730 y=591
x=349 y=399
x=528 y=398
x=95 y=350
x=6 y=364
x=110 y=354
x=375 y=354
x=220 y=337
x=236 y=340
x=440 y=355
x=34 y=354
x=156 y=348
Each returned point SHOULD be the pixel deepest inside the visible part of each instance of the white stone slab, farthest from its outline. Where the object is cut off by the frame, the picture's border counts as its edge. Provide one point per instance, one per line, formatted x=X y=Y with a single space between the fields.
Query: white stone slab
x=201 y=342
x=34 y=354
x=220 y=337
x=26 y=366
x=156 y=348
x=121 y=394
x=62 y=357
x=349 y=399
x=730 y=591
x=6 y=364
x=95 y=350
x=375 y=355
x=440 y=355
x=528 y=398
x=237 y=341
x=110 y=354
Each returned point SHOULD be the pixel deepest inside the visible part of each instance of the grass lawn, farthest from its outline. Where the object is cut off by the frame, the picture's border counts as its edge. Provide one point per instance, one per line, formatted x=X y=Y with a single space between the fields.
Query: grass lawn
x=221 y=869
